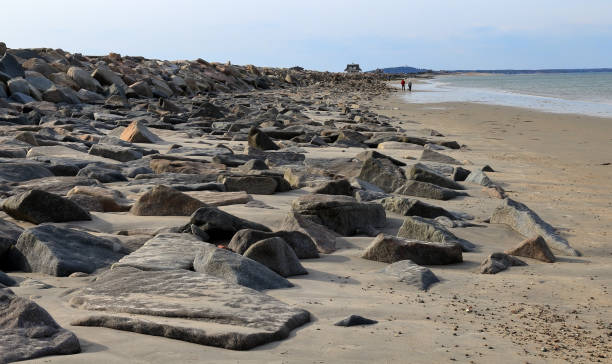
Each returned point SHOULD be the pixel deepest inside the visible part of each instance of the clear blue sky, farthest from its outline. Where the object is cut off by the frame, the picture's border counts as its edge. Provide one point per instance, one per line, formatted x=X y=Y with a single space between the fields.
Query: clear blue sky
x=324 y=35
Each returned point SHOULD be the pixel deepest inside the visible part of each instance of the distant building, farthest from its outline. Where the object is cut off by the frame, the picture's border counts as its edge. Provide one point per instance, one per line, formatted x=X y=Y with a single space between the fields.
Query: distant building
x=352 y=68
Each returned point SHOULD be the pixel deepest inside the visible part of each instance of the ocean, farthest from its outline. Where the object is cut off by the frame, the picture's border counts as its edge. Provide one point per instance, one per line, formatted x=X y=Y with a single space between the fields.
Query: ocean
x=574 y=93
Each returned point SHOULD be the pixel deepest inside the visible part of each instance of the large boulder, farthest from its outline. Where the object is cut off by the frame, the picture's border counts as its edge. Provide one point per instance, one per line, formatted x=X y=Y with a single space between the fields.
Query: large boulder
x=165 y=251
x=526 y=222
x=104 y=174
x=389 y=249
x=37 y=206
x=137 y=132
x=413 y=207
x=277 y=255
x=60 y=252
x=342 y=214
x=422 y=173
x=219 y=225
x=302 y=244
x=110 y=200
x=497 y=262
x=257 y=185
x=9 y=233
x=412 y=274
x=210 y=311
x=165 y=201
x=429 y=155
x=339 y=187
x=19 y=172
x=10 y=66
x=260 y=140
x=534 y=248
x=29 y=332
x=323 y=237
x=237 y=269
x=419 y=228
x=427 y=190
x=115 y=152
x=83 y=79
x=382 y=173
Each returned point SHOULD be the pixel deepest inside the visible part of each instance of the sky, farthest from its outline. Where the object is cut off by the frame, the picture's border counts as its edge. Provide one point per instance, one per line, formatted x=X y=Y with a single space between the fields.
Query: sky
x=324 y=35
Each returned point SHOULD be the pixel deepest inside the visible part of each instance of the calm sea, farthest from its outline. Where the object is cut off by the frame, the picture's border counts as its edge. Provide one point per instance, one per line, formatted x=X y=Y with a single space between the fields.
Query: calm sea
x=579 y=93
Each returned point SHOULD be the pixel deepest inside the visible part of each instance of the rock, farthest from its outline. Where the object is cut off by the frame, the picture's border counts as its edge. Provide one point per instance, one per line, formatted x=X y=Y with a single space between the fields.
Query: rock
x=18 y=84
x=19 y=172
x=412 y=207
x=365 y=195
x=324 y=238
x=165 y=251
x=460 y=174
x=497 y=262
x=256 y=185
x=165 y=201
x=382 y=173
x=137 y=132
x=9 y=233
x=526 y=222
x=422 y=173
x=535 y=248
x=235 y=268
x=479 y=177
x=302 y=244
x=210 y=311
x=109 y=200
x=363 y=156
x=220 y=225
x=121 y=154
x=37 y=206
x=419 y=228
x=428 y=190
x=10 y=66
x=410 y=273
x=495 y=191
x=339 y=187
x=277 y=255
x=185 y=167
x=60 y=252
x=429 y=155
x=141 y=88
x=342 y=214
x=88 y=203
x=355 y=320
x=222 y=198
x=102 y=174
x=83 y=79
x=260 y=140
x=105 y=76
x=7 y=281
x=29 y=332
x=389 y=249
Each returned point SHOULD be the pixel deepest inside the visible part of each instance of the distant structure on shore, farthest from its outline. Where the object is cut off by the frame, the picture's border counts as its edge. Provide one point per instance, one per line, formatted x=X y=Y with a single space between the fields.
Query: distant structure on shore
x=402 y=70
x=352 y=68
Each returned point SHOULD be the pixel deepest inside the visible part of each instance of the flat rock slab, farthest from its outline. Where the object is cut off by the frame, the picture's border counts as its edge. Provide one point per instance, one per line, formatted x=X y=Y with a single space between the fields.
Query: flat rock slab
x=412 y=274
x=61 y=151
x=164 y=252
x=28 y=331
x=213 y=198
x=19 y=172
x=186 y=305
x=428 y=190
x=413 y=207
x=415 y=227
x=390 y=249
x=522 y=219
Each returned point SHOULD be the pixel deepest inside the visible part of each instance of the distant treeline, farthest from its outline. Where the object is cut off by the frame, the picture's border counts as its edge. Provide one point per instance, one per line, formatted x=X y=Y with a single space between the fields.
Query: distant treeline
x=512 y=72
x=404 y=69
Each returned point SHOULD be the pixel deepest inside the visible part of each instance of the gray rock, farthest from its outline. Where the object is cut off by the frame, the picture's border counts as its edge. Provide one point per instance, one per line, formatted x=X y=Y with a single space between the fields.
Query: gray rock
x=497 y=262
x=29 y=332
x=83 y=79
x=480 y=178
x=413 y=207
x=429 y=155
x=527 y=223
x=121 y=154
x=460 y=174
x=365 y=195
x=257 y=185
x=37 y=206
x=302 y=244
x=428 y=190
x=210 y=311
x=277 y=255
x=17 y=85
x=534 y=248
x=339 y=187
x=363 y=156
x=389 y=249
x=6 y=280
x=10 y=66
x=260 y=140
x=355 y=320
x=165 y=201
x=60 y=252
x=343 y=214
x=9 y=233
x=102 y=174
x=19 y=172
x=422 y=173
x=237 y=269
x=220 y=225
x=324 y=238
x=423 y=229
x=165 y=251
x=410 y=273
x=382 y=173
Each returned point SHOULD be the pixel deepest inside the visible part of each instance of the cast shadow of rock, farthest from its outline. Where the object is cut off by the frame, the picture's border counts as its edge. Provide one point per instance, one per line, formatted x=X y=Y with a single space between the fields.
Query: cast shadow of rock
x=317 y=275
x=91 y=347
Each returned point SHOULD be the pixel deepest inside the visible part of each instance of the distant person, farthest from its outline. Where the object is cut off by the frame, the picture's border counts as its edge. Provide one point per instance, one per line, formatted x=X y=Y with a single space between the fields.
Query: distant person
x=403 y=85
x=410 y=85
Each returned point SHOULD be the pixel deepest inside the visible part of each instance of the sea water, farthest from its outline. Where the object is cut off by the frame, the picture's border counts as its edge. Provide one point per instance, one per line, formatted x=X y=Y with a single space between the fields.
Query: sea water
x=588 y=93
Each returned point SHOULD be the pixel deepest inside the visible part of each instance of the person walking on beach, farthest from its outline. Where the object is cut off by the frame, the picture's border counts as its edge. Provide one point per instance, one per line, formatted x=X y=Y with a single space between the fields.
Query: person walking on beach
x=403 y=85
x=410 y=85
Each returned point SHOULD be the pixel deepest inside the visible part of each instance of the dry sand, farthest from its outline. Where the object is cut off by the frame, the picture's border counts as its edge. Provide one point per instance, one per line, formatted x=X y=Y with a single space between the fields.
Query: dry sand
x=542 y=313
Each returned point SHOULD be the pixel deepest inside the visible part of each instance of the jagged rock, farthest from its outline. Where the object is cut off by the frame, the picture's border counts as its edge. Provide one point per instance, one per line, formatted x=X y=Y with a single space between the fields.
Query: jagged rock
x=118 y=153
x=479 y=177
x=342 y=214
x=88 y=203
x=9 y=233
x=429 y=155
x=497 y=262
x=237 y=269
x=220 y=225
x=423 y=229
x=60 y=252
x=410 y=273
x=102 y=174
x=302 y=244
x=389 y=249
x=277 y=255
x=412 y=207
x=210 y=312
x=355 y=320
x=382 y=173
x=141 y=88
x=535 y=248
x=38 y=206
x=427 y=190
x=109 y=200
x=137 y=132
x=422 y=173
x=260 y=140
x=324 y=238
x=460 y=174
x=339 y=187
x=10 y=66
x=363 y=156
x=522 y=219
x=257 y=185
x=83 y=79
x=29 y=332
x=19 y=172
x=165 y=251
x=165 y=201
